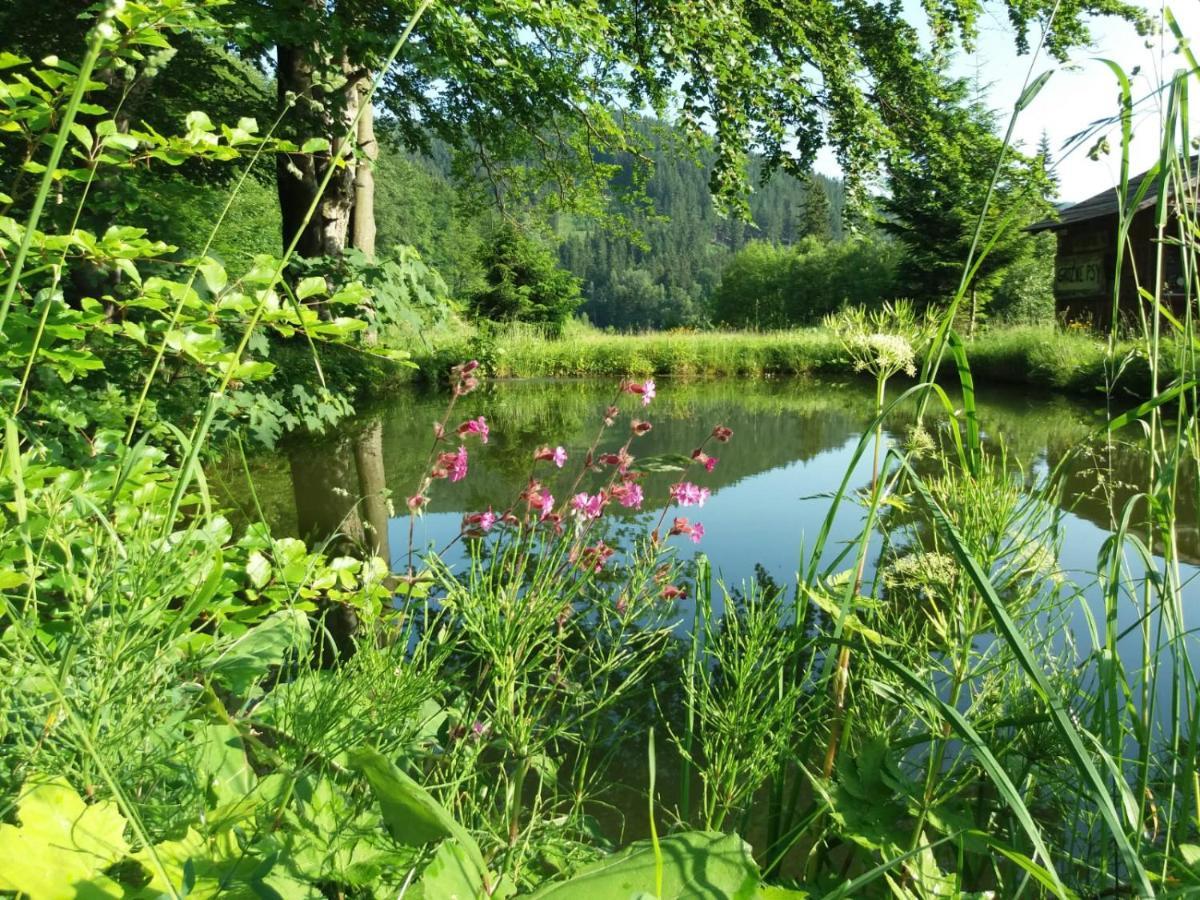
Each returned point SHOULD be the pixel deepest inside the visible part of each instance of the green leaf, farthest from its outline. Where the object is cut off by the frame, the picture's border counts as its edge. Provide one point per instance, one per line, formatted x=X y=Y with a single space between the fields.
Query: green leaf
x=311 y=287
x=62 y=846
x=697 y=864
x=315 y=145
x=451 y=875
x=198 y=121
x=666 y=462
x=223 y=765
x=412 y=815
x=271 y=643
x=1033 y=89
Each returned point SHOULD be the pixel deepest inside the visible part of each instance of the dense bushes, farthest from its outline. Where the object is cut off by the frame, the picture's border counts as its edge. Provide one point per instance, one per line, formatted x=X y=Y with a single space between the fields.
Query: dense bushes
x=766 y=286
x=523 y=283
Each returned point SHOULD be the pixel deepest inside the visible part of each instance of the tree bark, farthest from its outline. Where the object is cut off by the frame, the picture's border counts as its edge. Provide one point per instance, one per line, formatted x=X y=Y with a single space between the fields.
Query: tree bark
x=299 y=175
x=364 y=175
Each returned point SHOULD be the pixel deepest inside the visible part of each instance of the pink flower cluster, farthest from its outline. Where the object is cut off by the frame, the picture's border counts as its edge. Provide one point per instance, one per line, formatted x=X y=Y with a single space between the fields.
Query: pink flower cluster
x=451 y=465
x=629 y=494
x=588 y=506
x=475 y=426
x=687 y=494
x=538 y=499
x=623 y=486
x=558 y=456
x=594 y=557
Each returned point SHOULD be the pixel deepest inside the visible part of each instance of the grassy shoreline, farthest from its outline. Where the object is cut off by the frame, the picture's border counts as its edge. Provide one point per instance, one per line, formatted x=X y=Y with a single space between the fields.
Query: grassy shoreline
x=1044 y=357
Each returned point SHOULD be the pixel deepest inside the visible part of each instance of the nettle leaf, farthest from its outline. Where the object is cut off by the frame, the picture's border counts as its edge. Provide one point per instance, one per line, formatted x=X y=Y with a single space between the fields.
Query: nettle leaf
x=313 y=286
x=62 y=845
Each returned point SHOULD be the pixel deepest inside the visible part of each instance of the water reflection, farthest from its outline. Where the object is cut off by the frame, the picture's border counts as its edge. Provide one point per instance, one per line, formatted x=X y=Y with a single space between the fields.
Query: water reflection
x=793 y=441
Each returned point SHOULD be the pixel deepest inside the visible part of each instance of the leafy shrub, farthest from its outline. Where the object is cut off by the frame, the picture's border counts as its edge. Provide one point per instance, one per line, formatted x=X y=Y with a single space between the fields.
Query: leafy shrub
x=765 y=286
x=523 y=283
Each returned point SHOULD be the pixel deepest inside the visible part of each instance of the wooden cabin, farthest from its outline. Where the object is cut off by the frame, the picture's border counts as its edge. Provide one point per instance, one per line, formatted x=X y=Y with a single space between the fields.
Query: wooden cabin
x=1085 y=264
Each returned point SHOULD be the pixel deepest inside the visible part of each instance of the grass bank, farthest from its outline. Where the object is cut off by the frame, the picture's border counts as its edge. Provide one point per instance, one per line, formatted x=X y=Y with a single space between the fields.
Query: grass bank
x=1044 y=357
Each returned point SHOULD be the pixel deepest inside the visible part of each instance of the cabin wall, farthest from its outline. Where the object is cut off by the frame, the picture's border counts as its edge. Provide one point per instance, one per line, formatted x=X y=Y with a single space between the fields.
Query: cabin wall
x=1085 y=269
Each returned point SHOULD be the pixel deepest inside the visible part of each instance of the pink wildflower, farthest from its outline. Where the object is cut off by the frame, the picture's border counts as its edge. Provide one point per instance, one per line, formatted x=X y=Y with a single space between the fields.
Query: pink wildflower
x=610 y=415
x=638 y=427
x=687 y=494
x=479 y=523
x=558 y=455
x=621 y=460
x=416 y=501
x=629 y=495
x=645 y=389
x=648 y=392
x=593 y=558
x=588 y=507
x=451 y=465
x=722 y=434
x=709 y=462
x=546 y=507
x=683 y=526
x=671 y=592
x=458 y=464
x=475 y=426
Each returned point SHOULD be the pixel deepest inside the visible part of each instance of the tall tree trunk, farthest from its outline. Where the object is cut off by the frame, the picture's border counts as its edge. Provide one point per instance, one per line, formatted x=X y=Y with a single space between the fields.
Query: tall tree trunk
x=299 y=175
x=364 y=174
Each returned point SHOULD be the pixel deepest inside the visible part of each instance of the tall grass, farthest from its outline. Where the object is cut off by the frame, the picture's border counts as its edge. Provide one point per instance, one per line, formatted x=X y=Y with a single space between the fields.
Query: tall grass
x=169 y=724
x=1071 y=360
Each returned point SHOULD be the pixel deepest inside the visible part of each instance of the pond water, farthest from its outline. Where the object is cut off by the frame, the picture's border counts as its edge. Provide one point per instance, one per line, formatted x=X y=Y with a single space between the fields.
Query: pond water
x=793 y=440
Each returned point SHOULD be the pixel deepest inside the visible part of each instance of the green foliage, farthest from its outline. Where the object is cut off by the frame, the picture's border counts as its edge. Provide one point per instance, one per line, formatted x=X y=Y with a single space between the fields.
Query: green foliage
x=937 y=192
x=171 y=722
x=664 y=275
x=766 y=286
x=523 y=283
x=1025 y=294
x=695 y=864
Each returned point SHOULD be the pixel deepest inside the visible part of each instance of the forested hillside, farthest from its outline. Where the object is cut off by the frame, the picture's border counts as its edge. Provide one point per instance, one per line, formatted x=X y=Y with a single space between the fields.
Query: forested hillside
x=667 y=272
x=656 y=259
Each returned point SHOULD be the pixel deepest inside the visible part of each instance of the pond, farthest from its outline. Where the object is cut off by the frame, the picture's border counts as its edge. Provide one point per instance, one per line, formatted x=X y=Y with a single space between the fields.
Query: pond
x=793 y=440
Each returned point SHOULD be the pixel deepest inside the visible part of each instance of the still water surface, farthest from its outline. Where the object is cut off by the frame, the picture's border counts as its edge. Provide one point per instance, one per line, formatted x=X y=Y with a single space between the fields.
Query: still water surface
x=793 y=440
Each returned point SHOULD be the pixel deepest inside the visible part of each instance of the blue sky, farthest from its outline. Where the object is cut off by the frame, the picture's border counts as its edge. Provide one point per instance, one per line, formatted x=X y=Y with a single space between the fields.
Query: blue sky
x=1077 y=94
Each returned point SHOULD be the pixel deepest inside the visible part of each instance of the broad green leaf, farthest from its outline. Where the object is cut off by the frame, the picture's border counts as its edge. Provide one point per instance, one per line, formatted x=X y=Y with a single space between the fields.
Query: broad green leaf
x=312 y=286
x=315 y=145
x=198 y=121
x=451 y=875
x=223 y=764
x=258 y=570
x=412 y=815
x=272 y=642
x=62 y=845
x=696 y=865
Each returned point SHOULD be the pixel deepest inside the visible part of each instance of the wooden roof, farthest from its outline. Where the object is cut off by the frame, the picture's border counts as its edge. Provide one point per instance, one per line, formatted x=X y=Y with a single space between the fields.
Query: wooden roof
x=1103 y=204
